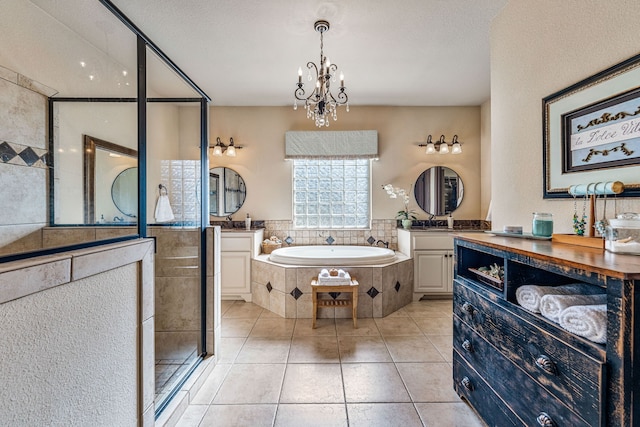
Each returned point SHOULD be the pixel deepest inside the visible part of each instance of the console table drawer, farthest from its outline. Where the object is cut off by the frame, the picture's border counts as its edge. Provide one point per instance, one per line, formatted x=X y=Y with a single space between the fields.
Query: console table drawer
x=471 y=387
x=527 y=399
x=573 y=377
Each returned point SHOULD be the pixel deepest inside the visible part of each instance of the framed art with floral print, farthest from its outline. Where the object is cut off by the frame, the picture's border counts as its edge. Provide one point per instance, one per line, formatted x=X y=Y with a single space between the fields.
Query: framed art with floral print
x=591 y=132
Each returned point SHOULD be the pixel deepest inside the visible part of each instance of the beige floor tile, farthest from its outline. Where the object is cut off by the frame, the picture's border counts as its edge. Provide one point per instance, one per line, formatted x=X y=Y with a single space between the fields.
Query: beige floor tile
x=268 y=314
x=365 y=327
x=397 y=326
x=211 y=385
x=264 y=350
x=243 y=310
x=236 y=327
x=192 y=415
x=427 y=309
x=373 y=382
x=323 y=327
x=435 y=325
x=415 y=348
x=229 y=349
x=239 y=416
x=312 y=383
x=444 y=344
x=322 y=349
x=266 y=327
x=383 y=415
x=251 y=383
x=448 y=414
x=398 y=313
x=311 y=415
x=363 y=349
x=429 y=382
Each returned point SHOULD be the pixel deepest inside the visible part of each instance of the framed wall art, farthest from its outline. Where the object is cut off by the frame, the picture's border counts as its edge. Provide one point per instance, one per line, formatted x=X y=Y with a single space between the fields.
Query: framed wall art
x=591 y=131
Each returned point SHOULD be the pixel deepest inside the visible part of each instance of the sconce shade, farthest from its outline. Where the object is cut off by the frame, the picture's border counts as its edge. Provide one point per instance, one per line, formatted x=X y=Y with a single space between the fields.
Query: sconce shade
x=441 y=146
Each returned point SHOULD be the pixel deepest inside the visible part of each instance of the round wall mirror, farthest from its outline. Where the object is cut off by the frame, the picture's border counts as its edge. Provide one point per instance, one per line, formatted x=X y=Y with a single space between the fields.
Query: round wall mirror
x=227 y=191
x=439 y=190
x=124 y=192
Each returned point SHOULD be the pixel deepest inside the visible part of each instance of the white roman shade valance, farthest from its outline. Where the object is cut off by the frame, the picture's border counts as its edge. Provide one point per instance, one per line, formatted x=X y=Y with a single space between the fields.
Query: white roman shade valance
x=361 y=144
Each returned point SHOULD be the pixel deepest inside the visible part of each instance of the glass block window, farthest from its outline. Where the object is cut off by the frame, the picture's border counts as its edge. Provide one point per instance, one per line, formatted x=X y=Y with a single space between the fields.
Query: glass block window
x=331 y=193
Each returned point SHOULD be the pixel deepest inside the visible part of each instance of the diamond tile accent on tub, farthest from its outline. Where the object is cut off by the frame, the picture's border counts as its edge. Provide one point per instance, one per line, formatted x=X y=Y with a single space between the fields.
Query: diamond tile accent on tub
x=330 y=240
x=371 y=240
x=397 y=287
x=334 y=295
x=7 y=152
x=288 y=240
x=269 y=287
x=372 y=292
x=296 y=293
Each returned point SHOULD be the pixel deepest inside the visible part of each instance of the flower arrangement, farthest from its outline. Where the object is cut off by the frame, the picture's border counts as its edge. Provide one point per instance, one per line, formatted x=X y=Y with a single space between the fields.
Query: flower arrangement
x=394 y=193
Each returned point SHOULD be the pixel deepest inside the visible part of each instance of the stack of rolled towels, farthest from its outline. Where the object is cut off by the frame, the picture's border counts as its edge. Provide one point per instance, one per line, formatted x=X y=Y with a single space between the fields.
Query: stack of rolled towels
x=334 y=277
x=579 y=308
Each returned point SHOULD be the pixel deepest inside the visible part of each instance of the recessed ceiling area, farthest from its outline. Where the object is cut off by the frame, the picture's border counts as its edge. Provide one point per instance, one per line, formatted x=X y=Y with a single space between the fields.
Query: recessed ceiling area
x=409 y=53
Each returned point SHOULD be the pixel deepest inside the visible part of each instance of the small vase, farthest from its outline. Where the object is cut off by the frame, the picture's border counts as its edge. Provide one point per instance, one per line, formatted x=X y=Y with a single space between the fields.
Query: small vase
x=406 y=223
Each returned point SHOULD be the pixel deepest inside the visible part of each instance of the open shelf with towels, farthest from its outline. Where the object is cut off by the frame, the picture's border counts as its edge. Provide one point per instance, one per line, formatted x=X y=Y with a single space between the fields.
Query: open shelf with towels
x=559 y=378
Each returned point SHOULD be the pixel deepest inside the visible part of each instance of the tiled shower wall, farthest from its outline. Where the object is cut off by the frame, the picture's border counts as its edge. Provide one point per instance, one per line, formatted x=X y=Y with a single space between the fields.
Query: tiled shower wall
x=23 y=162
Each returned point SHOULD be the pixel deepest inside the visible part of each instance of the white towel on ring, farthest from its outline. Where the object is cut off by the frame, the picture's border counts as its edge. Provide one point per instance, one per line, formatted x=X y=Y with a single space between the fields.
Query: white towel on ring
x=552 y=305
x=163 y=213
x=528 y=296
x=588 y=321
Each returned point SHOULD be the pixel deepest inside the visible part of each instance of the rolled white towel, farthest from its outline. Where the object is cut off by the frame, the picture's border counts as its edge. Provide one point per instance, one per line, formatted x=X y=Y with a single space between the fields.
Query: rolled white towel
x=528 y=296
x=324 y=273
x=552 y=305
x=341 y=273
x=588 y=321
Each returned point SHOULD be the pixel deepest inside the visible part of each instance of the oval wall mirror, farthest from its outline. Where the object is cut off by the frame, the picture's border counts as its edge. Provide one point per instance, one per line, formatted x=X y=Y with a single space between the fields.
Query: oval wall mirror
x=124 y=192
x=227 y=191
x=439 y=190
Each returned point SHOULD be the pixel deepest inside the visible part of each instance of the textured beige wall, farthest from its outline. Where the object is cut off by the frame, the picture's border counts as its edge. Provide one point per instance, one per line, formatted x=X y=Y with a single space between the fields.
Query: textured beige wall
x=538 y=48
x=268 y=176
x=69 y=354
x=485 y=158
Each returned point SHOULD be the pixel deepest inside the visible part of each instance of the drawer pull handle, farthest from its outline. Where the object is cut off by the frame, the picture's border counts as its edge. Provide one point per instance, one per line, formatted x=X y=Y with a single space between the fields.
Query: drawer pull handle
x=468 y=308
x=466 y=383
x=466 y=344
x=545 y=420
x=543 y=362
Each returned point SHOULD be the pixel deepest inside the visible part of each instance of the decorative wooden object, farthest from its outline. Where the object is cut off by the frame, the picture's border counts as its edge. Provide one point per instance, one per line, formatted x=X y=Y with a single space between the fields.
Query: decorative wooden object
x=519 y=368
x=353 y=302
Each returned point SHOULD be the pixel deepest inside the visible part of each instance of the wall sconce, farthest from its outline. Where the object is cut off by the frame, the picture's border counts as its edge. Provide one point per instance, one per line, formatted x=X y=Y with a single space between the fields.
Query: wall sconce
x=441 y=146
x=221 y=147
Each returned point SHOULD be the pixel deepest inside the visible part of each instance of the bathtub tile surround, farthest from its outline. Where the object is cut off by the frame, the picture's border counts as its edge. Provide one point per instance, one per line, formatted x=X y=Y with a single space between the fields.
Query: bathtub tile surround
x=381 y=229
x=383 y=289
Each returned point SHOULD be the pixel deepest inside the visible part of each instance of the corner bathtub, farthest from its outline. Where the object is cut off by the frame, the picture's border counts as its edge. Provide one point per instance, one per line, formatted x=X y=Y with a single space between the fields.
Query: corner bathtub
x=329 y=255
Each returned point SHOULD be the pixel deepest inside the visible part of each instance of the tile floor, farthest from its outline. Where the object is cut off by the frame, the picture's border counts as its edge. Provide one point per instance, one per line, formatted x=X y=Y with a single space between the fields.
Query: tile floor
x=394 y=371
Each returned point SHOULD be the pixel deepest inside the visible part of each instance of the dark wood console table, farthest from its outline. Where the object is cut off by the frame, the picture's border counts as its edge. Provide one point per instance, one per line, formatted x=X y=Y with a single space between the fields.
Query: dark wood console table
x=518 y=368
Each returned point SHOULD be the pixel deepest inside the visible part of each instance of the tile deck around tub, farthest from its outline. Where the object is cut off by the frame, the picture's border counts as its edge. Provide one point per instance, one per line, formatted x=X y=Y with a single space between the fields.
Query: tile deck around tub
x=279 y=372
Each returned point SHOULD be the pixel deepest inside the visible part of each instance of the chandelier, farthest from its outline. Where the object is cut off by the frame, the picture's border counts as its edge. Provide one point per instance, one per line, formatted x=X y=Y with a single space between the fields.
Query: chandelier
x=321 y=105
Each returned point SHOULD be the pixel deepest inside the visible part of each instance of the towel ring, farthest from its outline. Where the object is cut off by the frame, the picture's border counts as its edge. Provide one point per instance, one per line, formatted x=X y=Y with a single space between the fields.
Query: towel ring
x=163 y=188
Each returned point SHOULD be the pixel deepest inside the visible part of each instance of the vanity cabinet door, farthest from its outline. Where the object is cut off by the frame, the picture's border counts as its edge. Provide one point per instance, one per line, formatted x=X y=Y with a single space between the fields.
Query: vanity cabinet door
x=235 y=274
x=433 y=272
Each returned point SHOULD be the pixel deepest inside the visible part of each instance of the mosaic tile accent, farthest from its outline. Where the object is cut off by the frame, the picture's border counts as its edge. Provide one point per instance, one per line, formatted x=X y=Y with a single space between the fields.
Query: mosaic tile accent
x=269 y=287
x=397 y=287
x=288 y=240
x=371 y=240
x=372 y=292
x=330 y=240
x=22 y=155
x=334 y=295
x=296 y=293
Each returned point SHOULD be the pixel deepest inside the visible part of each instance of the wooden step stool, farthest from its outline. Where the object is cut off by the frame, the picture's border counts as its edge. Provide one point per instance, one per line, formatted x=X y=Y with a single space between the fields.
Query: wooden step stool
x=353 y=302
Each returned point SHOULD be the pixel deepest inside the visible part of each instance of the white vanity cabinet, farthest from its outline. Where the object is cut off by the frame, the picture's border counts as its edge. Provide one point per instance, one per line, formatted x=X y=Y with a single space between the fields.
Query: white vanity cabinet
x=432 y=253
x=237 y=250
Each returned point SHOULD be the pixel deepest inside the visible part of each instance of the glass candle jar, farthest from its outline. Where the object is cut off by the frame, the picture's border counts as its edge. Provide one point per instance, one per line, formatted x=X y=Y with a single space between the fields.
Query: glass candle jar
x=542 y=224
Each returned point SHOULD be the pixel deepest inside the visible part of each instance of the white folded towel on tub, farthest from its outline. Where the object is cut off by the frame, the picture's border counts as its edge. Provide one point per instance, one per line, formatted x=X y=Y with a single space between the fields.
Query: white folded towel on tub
x=324 y=273
x=552 y=305
x=528 y=296
x=588 y=321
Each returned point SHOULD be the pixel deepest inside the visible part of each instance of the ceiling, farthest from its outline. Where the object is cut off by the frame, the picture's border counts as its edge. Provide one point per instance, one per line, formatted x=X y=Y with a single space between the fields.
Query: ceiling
x=247 y=53
x=408 y=52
